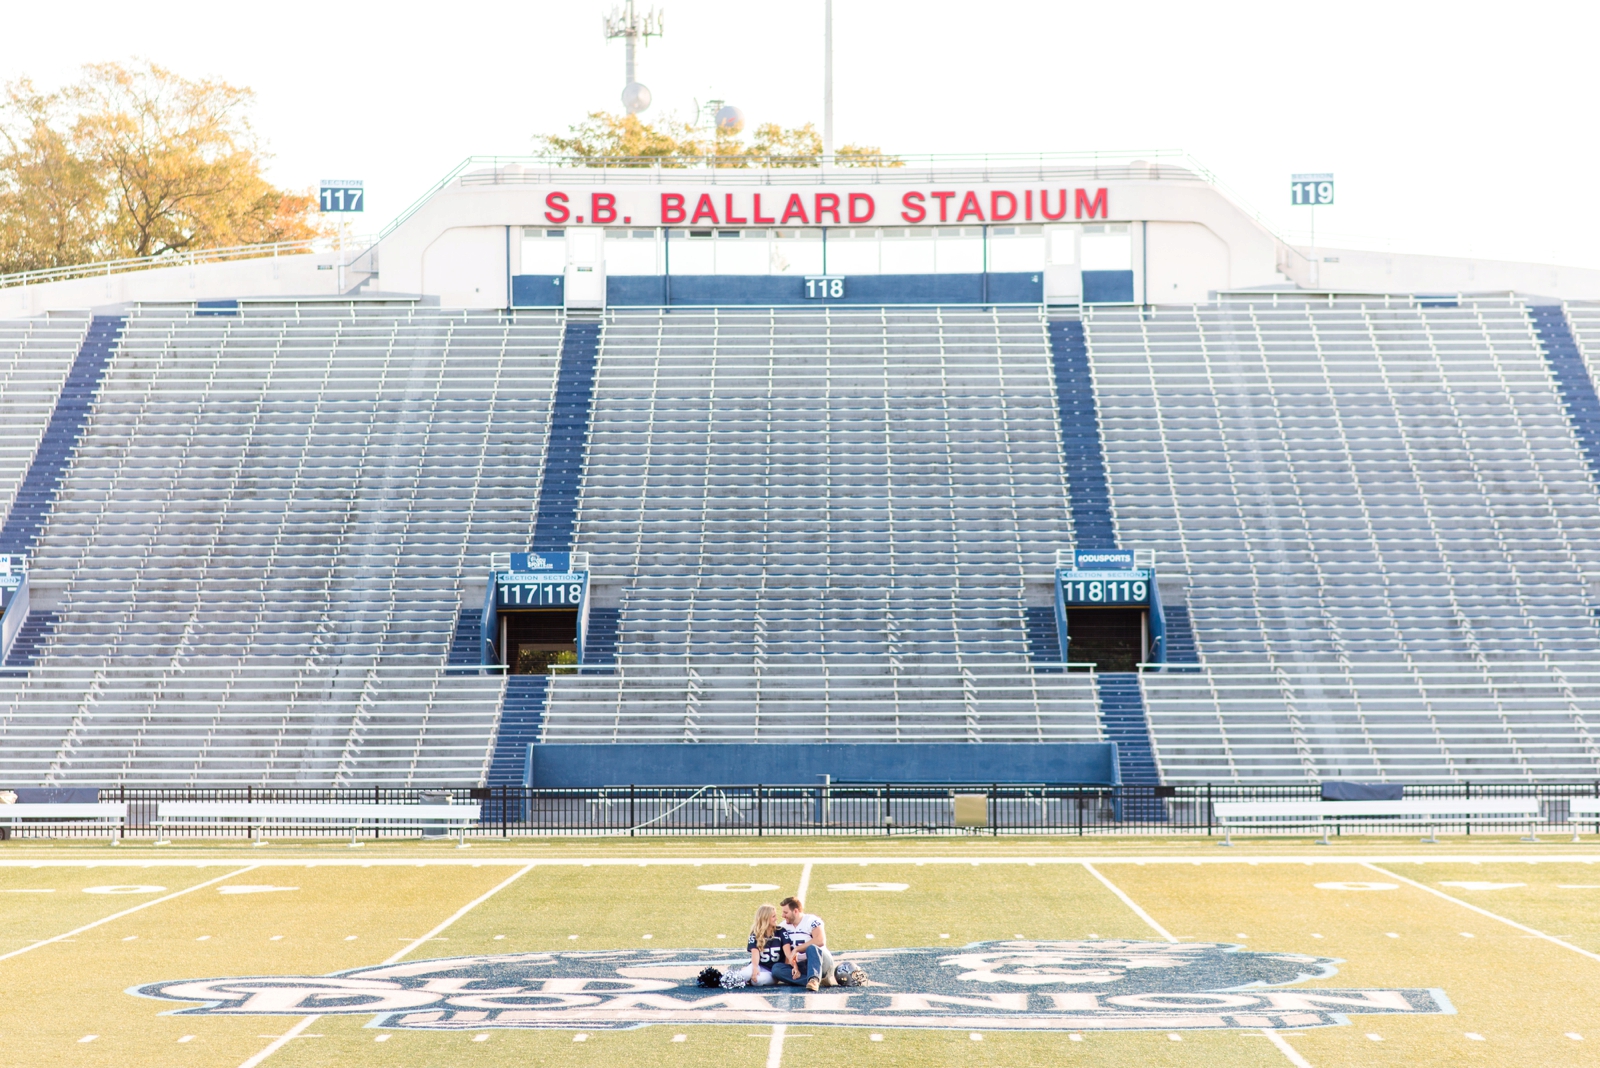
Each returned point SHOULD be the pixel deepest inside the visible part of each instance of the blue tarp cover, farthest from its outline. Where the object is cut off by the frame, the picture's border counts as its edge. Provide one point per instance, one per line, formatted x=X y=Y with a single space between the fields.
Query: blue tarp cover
x=1362 y=791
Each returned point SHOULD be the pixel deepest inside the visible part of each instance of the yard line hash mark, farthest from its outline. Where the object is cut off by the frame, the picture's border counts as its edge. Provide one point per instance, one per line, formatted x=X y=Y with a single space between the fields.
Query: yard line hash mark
x=295 y=1031
x=126 y=912
x=1485 y=912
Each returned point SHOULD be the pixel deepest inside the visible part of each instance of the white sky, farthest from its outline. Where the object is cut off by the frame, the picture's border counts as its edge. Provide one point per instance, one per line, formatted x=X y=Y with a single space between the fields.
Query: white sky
x=1453 y=128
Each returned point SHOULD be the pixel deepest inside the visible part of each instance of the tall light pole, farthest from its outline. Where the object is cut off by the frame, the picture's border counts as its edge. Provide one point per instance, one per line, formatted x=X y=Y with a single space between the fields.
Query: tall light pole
x=628 y=24
x=827 y=81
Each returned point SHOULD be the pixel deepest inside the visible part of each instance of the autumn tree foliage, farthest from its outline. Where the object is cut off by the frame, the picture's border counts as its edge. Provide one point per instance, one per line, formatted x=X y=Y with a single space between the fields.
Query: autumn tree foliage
x=629 y=141
x=135 y=161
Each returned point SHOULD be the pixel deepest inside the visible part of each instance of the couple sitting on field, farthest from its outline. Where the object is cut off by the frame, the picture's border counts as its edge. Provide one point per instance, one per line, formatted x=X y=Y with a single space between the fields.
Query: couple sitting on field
x=794 y=952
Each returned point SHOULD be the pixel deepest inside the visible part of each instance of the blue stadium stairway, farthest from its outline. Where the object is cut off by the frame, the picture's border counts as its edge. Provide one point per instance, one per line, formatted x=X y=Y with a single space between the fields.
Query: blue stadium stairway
x=1044 y=641
x=36 y=630
x=1089 y=495
x=37 y=494
x=569 y=439
x=601 y=644
x=466 y=646
x=1181 y=648
x=1088 y=489
x=521 y=714
x=1572 y=379
x=1122 y=715
x=522 y=707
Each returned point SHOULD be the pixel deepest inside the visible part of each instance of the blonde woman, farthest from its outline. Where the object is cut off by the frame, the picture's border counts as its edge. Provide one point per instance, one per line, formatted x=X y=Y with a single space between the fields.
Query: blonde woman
x=766 y=948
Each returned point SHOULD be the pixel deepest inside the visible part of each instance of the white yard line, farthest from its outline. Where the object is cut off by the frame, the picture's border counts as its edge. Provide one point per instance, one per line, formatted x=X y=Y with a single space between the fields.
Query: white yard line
x=281 y=1041
x=775 y=1047
x=1483 y=912
x=1128 y=901
x=1276 y=1039
x=129 y=911
x=462 y=911
x=294 y=1032
x=1287 y=1050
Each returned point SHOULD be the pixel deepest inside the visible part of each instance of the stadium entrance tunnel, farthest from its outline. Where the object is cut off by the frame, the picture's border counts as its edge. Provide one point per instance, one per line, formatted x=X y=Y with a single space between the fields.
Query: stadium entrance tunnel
x=1108 y=609
x=1112 y=639
x=536 y=639
x=536 y=612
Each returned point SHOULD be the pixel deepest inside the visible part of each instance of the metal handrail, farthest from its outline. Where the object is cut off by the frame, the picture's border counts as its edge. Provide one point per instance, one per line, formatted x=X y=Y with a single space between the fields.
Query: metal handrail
x=187 y=258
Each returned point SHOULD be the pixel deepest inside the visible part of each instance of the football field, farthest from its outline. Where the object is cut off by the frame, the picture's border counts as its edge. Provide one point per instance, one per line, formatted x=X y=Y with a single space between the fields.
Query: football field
x=978 y=952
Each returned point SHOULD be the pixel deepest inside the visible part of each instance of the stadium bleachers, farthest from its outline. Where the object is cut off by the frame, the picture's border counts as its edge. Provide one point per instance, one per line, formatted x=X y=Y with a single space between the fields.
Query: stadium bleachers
x=823 y=523
x=1353 y=488
x=266 y=528
x=832 y=524
x=35 y=356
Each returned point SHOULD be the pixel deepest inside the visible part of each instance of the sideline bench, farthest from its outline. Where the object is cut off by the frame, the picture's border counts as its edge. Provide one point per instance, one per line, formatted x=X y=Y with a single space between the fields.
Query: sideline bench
x=110 y=815
x=310 y=815
x=1583 y=810
x=1429 y=812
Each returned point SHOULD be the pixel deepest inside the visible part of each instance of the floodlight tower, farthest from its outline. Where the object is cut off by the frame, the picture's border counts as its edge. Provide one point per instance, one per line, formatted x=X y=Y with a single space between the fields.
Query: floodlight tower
x=827 y=81
x=628 y=24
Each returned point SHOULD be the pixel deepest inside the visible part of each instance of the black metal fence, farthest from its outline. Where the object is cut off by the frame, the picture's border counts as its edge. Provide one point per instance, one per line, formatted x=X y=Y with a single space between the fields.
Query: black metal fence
x=843 y=809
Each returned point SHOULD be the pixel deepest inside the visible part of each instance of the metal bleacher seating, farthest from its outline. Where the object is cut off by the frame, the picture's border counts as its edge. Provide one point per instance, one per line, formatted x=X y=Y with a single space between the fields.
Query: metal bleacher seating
x=825 y=525
x=831 y=524
x=35 y=356
x=1387 y=529
x=256 y=563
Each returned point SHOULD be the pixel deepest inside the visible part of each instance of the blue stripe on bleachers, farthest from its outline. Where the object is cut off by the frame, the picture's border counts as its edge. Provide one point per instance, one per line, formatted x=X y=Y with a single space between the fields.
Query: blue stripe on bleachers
x=1572 y=379
x=561 y=482
x=555 y=519
x=1082 y=454
x=1089 y=496
x=36 y=496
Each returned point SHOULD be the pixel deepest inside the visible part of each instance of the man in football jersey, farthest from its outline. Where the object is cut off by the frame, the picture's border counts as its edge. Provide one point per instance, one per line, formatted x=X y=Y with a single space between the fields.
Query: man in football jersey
x=808 y=962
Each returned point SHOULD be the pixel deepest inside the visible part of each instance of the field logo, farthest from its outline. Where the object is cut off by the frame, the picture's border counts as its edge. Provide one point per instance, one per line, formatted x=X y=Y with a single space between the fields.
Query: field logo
x=1022 y=985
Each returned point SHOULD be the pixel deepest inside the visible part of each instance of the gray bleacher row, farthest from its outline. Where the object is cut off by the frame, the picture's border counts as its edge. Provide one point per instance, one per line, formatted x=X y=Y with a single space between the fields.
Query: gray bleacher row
x=1351 y=486
x=35 y=356
x=822 y=522
x=306 y=482
x=247 y=721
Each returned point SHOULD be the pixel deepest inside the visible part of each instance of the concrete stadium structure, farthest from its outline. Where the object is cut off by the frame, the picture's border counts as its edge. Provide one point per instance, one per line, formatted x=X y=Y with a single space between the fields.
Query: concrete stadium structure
x=796 y=456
